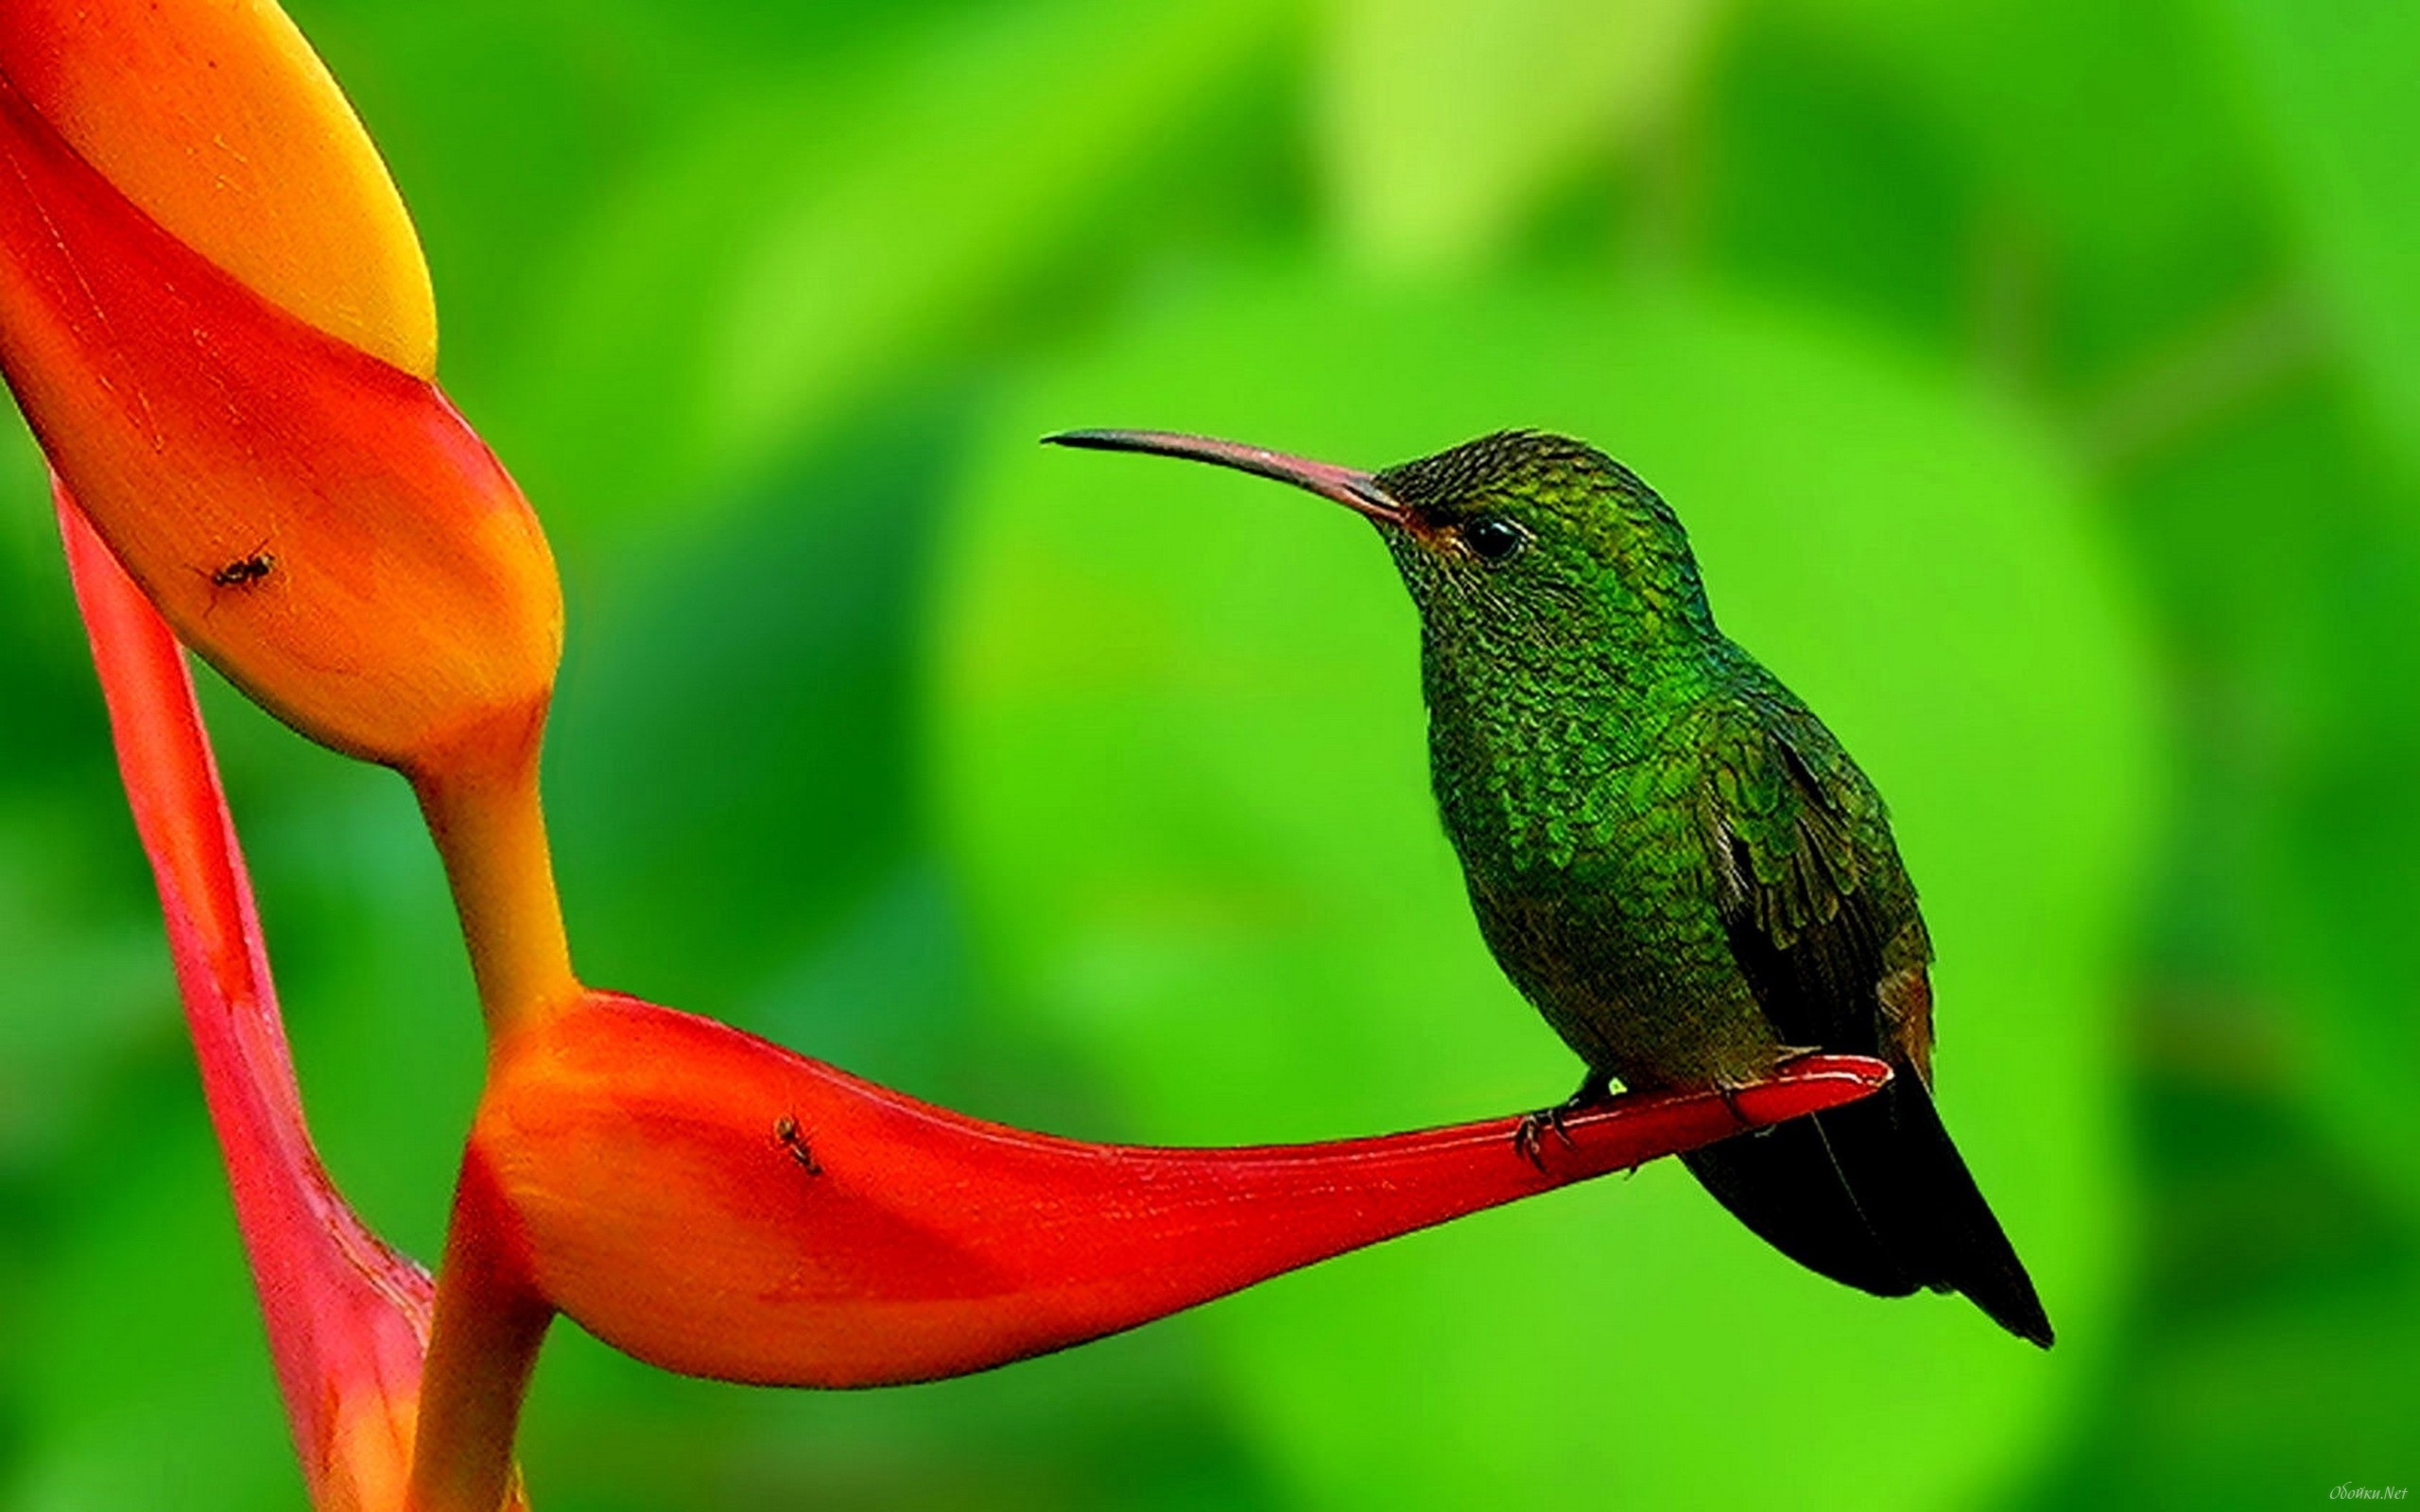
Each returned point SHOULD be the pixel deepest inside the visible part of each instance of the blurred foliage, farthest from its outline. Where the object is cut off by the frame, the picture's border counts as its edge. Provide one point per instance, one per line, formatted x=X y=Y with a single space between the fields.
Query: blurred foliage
x=2037 y=377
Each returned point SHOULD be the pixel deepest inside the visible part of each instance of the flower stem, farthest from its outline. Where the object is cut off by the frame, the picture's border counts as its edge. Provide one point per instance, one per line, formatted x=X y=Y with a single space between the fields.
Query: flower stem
x=481 y=1351
x=482 y=807
x=346 y=1315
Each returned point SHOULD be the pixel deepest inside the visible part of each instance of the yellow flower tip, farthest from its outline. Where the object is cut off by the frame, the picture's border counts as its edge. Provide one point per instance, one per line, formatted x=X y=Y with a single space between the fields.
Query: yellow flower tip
x=218 y=119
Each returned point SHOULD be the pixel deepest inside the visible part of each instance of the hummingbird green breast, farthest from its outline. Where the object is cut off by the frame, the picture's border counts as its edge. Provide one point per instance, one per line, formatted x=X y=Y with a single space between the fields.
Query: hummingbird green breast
x=1668 y=853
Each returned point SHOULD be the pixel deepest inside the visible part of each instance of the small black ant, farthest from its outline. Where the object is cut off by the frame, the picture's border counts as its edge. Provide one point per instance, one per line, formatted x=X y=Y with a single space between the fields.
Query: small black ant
x=246 y=571
x=786 y=1131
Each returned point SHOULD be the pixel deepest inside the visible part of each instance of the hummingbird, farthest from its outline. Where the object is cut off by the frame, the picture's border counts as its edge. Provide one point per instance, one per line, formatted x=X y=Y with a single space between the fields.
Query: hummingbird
x=1668 y=853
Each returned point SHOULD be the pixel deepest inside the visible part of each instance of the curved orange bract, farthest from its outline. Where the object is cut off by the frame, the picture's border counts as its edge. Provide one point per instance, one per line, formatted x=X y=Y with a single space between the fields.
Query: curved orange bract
x=217 y=119
x=321 y=526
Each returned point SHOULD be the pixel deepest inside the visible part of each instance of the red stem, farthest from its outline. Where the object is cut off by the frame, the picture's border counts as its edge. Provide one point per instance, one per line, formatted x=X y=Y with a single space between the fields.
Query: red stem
x=347 y=1316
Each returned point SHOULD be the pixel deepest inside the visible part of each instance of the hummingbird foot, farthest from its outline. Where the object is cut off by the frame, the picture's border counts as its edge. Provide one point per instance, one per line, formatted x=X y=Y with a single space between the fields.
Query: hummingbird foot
x=1729 y=1090
x=1529 y=1139
x=1729 y=1093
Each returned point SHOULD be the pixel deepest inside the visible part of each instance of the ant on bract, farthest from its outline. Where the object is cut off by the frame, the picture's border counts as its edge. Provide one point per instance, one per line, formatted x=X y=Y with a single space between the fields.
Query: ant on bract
x=787 y=1134
x=245 y=571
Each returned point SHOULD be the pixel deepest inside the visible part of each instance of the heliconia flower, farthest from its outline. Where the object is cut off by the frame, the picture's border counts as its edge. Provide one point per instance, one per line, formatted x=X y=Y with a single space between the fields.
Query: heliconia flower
x=215 y=314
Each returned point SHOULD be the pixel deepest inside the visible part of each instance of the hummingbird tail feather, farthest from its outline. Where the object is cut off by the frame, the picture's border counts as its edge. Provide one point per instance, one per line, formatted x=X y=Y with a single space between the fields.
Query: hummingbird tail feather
x=1876 y=1195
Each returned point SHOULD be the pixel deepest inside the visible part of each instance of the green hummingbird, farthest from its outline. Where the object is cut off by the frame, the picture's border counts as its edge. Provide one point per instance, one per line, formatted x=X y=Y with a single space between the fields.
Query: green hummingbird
x=1668 y=853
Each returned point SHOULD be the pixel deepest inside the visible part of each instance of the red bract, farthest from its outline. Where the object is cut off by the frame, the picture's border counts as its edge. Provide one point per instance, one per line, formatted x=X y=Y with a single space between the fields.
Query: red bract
x=723 y=1207
x=347 y=1317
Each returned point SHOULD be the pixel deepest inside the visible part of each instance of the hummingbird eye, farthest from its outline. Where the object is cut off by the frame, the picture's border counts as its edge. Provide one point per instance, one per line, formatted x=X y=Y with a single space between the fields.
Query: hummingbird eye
x=1493 y=539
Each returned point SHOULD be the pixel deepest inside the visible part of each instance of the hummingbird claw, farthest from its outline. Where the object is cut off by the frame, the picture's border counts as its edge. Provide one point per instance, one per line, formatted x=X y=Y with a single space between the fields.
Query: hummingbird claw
x=1528 y=1137
x=1730 y=1095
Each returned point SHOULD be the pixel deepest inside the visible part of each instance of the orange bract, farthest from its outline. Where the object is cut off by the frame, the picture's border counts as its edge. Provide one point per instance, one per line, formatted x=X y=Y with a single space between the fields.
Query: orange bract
x=217 y=119
x=322 y=525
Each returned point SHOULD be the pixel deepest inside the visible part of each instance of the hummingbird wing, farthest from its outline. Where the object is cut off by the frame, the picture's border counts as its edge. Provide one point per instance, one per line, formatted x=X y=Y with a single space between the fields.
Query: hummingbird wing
x=1823 y=922
x=1821 y=915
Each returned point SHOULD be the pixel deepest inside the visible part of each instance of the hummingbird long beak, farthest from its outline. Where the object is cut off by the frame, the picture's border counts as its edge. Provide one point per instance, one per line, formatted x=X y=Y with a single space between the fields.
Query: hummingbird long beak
x=1355 y=490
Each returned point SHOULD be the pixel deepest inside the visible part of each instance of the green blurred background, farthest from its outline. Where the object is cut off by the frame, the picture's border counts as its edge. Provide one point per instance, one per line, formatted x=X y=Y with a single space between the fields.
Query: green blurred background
x=2040 y=379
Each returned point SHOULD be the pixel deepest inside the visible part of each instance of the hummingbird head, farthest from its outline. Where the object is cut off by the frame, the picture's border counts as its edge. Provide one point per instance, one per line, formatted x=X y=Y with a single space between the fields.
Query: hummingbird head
x=1506 y=541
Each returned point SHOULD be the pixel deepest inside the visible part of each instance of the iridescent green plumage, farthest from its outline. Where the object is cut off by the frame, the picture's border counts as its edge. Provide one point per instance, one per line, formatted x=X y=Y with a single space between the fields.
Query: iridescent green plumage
x=1620 y=779
x=1668 y=853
